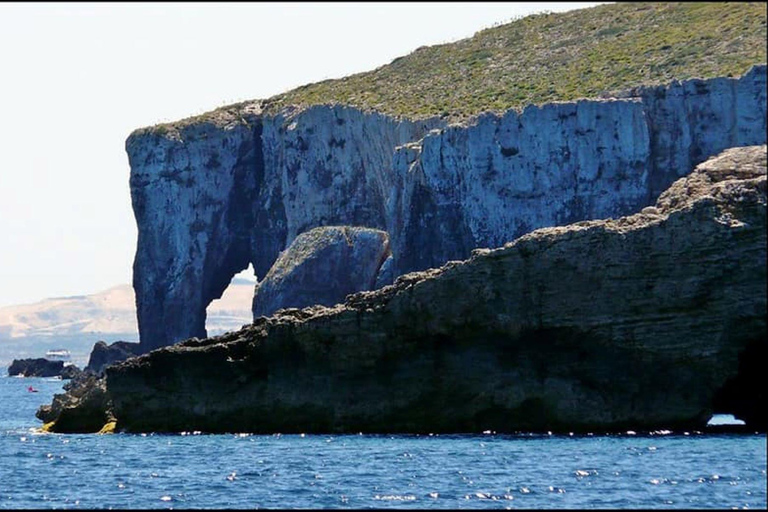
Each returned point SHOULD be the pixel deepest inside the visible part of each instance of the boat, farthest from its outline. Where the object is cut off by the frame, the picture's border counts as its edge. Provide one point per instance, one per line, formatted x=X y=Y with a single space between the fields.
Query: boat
x=59 y=355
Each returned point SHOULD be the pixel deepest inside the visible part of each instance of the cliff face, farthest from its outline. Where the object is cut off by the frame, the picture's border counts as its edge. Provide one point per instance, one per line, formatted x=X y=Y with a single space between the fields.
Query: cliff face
x=208 y=205
x=637 y=323
x=333 y=166
x=484 y=185
x=488 y=183
x=192 y=190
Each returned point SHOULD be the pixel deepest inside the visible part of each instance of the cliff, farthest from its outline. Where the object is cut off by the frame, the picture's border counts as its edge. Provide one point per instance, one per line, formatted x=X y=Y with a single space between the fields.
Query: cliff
x=647 y=321
x=192 y=190
x=212 y=195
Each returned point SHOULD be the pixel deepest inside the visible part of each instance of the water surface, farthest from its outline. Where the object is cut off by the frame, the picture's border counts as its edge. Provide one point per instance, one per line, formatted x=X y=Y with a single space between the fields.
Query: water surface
x=660 y=470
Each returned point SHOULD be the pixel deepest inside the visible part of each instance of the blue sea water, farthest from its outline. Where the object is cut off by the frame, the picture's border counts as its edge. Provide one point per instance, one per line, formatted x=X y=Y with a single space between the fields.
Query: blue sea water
x=491 y=471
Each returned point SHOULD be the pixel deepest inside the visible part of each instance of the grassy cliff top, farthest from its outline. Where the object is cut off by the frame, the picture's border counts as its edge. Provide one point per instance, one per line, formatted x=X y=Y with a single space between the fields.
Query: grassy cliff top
x=544 y=57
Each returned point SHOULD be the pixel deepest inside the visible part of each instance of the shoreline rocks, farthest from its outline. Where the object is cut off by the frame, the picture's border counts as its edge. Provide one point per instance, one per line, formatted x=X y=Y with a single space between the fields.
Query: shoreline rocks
x=83 y=407
x=636 y=323
x=41 y=367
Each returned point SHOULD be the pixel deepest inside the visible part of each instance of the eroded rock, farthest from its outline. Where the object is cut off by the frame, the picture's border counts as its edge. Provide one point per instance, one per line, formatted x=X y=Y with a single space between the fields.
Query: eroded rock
x=630 y=323
x=84 y=407
x=211 y=197
x=322 y=266
x=41 y=367
x=103 y=355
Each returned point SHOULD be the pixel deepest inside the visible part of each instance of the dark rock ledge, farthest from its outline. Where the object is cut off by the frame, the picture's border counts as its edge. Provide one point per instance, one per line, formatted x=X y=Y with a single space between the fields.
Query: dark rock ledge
x=652 y=321
x=41 y=367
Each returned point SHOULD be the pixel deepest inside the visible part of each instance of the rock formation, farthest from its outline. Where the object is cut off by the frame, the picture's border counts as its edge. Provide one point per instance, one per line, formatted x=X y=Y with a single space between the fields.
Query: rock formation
x=103 y=355
x=322 y=266
x=640 y=322
x=70 y=371
x=41 y=367
x=84 y=407
x=192 y=191
x=212 y=195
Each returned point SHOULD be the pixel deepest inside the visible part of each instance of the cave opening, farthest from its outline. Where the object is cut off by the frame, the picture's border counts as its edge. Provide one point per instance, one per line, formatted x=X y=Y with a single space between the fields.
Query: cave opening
x=233 y=309
x=743 y=396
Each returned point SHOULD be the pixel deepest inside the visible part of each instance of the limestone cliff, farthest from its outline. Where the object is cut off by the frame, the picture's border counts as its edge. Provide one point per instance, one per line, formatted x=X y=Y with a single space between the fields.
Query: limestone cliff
x=192 y=189
x=211 y=196
x=643 y=322
x=504 y=175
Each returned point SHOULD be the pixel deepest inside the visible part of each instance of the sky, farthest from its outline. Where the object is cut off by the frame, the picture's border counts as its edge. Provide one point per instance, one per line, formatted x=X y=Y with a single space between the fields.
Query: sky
x=77 y=78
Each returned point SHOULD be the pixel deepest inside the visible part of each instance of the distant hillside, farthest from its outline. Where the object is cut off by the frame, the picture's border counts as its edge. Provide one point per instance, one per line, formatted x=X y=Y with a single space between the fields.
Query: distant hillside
x=112 y=311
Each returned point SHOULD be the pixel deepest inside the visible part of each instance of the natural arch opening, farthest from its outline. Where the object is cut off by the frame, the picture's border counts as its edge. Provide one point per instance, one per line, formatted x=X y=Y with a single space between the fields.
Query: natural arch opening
x=233 y=309
x=743 y=396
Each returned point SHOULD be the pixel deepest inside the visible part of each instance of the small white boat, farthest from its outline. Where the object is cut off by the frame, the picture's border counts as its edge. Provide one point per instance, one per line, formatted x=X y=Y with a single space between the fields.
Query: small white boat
x=59 y=355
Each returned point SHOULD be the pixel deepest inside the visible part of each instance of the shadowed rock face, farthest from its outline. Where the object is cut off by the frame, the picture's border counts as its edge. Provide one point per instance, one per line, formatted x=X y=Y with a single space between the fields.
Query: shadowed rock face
x=103 y=355
x=211 y=197
x=633 y=323
x=83 y=407
x=35 y=367
x=41 y=367
x=322 y=266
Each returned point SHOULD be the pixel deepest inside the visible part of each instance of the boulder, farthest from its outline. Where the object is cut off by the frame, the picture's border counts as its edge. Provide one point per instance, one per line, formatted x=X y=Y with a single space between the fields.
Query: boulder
x=70 y=371
x=35 y=367
x=322 y=266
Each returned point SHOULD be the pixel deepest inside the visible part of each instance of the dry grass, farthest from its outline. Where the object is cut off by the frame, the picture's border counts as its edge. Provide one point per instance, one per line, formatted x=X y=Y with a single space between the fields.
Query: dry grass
x=552 y=57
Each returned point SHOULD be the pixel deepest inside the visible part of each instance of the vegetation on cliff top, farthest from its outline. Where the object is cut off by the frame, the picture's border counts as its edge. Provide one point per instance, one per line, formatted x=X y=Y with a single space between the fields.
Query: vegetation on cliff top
x=546 y=57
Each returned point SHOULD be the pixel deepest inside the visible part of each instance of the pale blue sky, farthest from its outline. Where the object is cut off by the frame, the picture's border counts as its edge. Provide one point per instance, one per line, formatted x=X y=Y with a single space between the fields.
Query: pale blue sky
x=76 y=79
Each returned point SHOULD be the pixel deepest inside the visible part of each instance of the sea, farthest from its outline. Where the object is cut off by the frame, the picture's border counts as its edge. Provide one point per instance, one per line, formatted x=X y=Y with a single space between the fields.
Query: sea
x=658 y=470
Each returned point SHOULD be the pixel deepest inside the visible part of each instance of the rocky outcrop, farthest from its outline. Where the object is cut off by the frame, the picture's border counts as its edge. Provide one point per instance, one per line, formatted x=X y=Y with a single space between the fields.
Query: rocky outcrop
x=103 y=355
x=634 y=323
x=192 y=189
x=41 y=367
x=70 y=371
x=322 y=266
x=237 y=187
x=84 y=407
